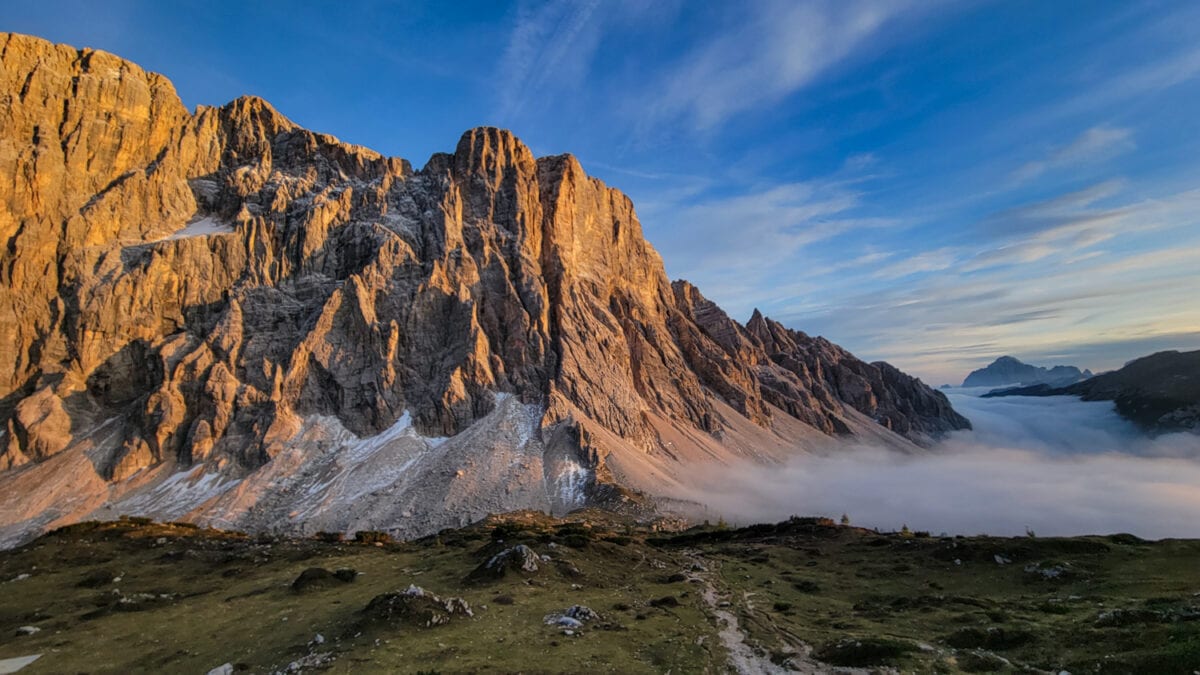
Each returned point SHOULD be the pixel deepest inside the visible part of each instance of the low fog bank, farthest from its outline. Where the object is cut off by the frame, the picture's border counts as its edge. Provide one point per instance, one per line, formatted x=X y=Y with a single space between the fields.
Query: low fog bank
x=1056 y=466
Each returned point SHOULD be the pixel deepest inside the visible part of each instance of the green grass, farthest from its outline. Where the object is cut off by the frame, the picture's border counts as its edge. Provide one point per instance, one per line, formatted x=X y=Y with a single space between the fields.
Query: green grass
x=196 y=599
x=231 y=601
x=838 y=585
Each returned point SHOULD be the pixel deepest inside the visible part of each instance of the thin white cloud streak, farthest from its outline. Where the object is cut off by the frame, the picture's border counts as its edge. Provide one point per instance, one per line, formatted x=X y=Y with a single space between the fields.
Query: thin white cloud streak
x=926 y=261
x=928 y=325
x=1096 y=144
x=1057 y=466
x=734 y=244
x=777 y=49
x=1174 y=70
x=545 y=41
x=552 y=47
x=1043 y=287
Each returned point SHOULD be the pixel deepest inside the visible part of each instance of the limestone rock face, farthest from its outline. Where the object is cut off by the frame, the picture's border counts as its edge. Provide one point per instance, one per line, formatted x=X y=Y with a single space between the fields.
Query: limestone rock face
x=196 y=288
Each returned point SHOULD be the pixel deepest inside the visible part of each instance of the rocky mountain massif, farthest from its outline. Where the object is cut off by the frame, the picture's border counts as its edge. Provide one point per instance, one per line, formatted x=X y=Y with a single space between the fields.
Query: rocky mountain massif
x=221 y=316
x=1160 y=393
x=1008 y=370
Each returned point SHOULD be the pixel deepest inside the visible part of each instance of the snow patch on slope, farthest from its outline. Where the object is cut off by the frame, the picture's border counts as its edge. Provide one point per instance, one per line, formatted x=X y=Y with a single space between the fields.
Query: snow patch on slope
x=201 y=227
x=178 y=495
x=571 y=484
x=329 y=479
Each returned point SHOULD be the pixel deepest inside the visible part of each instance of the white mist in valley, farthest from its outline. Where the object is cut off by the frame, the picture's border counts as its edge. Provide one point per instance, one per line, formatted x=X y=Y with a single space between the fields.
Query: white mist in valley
x=1054 y=466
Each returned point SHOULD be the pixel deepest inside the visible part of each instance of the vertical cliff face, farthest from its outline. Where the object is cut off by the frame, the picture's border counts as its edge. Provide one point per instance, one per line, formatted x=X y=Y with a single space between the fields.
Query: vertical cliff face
x=183 y=289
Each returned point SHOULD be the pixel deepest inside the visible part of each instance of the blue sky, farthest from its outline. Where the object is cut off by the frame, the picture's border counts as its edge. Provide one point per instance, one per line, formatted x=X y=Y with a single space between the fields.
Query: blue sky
x=931 y=183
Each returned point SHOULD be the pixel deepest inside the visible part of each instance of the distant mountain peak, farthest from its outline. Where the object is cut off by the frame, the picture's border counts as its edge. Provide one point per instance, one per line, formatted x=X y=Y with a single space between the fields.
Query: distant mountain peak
x=1009 y=370
x=1160 y=392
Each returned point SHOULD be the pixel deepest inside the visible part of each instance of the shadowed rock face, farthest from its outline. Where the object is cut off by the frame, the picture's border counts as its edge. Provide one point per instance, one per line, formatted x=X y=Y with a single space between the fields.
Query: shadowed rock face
x=190 y=287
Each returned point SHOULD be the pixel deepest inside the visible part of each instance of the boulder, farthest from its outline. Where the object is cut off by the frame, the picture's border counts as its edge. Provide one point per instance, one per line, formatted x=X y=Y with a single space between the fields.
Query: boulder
x=519 y=559
x=415 y=607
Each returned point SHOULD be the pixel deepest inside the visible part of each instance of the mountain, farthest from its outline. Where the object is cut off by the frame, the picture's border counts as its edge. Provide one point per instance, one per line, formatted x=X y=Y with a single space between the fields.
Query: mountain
x=1160 y=393
x=221 y=316
x=1007 y=370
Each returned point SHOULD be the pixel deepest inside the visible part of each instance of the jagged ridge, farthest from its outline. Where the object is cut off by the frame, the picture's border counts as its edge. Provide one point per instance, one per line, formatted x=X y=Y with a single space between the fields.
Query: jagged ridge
x=193 y=288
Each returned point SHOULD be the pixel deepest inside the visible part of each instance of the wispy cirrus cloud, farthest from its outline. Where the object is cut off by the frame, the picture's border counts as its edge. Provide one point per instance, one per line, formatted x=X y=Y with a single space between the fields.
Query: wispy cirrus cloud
x=1096 y=144
x=767 y=51
x=733 y=243
x=1161 y=73
x=1044 y=288
x=925 y=261
x=886 y=247
x=550 y=40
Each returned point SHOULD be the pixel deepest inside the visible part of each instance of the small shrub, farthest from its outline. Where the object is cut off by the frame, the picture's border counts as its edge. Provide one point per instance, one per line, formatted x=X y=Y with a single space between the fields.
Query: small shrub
x=136 y=520
x=862 y=652
x=315 y=578
x=988 y=638
x=372 y=537
x=806 y=586
x=96 y=579
x=78 y=528
x=665 y=601
x=507 y=530
x=782 y=606
x=576 y=540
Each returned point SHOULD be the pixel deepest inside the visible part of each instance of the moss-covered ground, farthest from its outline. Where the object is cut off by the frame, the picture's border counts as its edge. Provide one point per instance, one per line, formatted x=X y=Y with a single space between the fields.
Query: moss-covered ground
x=130 y=596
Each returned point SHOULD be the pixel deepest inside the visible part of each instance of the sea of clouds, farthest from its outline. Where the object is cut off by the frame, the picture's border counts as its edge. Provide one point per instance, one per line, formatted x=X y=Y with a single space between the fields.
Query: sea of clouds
x=1053 y=466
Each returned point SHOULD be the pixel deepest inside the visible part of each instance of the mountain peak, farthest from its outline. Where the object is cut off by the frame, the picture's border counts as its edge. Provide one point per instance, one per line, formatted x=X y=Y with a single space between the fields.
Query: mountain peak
x=259 y=307
x=491 y=151
x=1008 y=370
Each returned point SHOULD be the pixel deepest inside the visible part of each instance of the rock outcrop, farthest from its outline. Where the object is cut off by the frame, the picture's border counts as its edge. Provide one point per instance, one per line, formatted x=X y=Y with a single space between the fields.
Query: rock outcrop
x=1008 y=370
x=1160 y=393
x=214 y=288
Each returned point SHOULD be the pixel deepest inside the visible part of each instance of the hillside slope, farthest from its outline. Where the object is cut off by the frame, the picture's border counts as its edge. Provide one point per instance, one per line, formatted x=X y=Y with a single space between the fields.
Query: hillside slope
x=802 y=596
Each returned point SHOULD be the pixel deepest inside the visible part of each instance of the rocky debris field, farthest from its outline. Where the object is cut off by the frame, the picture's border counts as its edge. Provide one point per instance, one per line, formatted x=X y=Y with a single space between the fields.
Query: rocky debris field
x=596 y=592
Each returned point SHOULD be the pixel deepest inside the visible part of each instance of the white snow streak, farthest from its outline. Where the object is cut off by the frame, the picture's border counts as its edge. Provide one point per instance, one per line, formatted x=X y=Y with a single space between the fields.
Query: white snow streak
x=200 y=228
